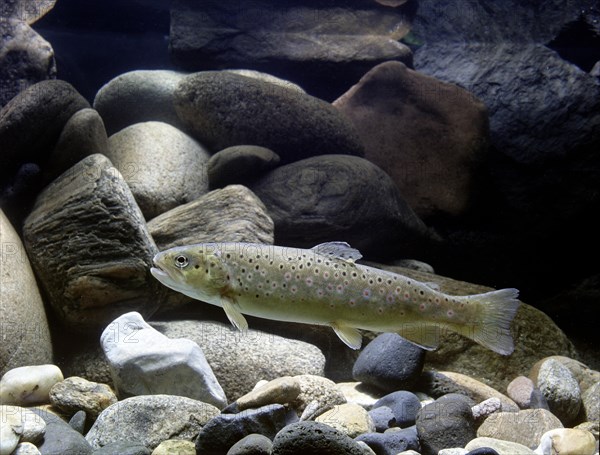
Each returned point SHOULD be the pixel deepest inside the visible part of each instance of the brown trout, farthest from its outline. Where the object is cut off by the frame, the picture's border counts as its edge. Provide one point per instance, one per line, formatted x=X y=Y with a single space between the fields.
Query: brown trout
x=325 y=286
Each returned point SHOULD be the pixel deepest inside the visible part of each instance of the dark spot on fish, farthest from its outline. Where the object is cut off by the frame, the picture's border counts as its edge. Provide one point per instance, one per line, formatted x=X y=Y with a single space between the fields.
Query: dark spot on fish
x=196 y=266
x=379 y=280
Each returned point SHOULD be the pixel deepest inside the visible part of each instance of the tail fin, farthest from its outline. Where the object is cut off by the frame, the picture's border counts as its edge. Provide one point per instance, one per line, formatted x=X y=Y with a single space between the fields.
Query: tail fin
x=492 y=327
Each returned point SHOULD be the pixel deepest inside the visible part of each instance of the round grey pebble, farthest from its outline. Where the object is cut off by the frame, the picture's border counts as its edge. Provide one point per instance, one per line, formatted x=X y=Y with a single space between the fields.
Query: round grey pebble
x=392 y=441
x=77 y=422
x=310 y=437
x=253 y=444
x=383 y=418
x=390 y=363
x=404 y=406
x=444 y=424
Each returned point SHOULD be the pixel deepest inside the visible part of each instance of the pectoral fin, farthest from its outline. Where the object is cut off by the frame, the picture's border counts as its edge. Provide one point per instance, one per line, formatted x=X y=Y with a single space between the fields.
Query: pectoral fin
x=349 y=335
x=233 y=314
x=426 y=336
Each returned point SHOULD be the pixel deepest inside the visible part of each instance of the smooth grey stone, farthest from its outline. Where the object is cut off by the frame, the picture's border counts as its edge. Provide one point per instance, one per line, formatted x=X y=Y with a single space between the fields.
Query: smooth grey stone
x=253 y=444
x=60 y=437
x=444 y=424
x=223 y=431
x=390 y=363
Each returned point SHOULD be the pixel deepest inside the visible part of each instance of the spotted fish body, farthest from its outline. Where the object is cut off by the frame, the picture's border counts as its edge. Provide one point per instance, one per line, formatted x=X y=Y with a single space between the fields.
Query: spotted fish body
x=325 y=286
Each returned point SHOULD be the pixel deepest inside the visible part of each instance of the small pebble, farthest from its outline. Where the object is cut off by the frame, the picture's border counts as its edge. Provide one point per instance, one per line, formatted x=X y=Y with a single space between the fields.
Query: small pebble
x=390 y=363
x=359 y=393
x=26 y=448
x=383 y=418
x=175 y=447
x=392 y=441
x=281 y=390
x=77 y=422
x=453 y=451
x=523 y=391
x=567 y=441
x=445 y=424
x=253 y=444
x=525 y=427
x=123 y=448
x=310 y=437
x=11 y=428
x=487 y=407
x=560 y=388
x=405 y=406
x=75 y=393
x=483 y=451
x=500 y=446
x=321 y=392
x=350 y=419
x=590 y=400
x=25 y=386
x=224 y=430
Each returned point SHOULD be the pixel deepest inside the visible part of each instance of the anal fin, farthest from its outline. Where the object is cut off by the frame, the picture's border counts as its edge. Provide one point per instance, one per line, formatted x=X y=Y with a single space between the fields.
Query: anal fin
x=349 y=335
x=233 y=314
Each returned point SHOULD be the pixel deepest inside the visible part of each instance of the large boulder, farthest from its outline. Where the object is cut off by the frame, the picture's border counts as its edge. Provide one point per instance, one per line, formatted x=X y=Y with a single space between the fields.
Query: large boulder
x=89 y=246
x=324 y=47
x=222 y=109
x=428 y=135
x=337 y=197
x=25 y=332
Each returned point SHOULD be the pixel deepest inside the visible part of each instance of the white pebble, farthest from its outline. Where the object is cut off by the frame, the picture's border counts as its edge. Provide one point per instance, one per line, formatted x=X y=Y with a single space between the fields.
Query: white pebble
x=11 y=429
x=26 y=448
x=29 y=385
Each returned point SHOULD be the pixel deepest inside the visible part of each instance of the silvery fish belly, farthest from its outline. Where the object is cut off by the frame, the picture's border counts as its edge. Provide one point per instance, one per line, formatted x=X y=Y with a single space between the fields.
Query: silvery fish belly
x=325 y=286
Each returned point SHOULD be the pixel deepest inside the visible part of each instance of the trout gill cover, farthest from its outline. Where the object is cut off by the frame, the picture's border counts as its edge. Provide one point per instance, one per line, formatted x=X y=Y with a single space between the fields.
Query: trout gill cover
x=325 y=286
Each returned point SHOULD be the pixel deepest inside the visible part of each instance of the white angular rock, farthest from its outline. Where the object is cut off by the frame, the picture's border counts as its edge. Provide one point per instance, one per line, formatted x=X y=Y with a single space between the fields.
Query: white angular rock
x=145 y=362
x=29 y=385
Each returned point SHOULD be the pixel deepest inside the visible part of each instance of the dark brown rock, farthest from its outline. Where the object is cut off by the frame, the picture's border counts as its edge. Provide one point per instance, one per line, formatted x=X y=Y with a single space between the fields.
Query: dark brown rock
x=428 y=135
x=89 y=246
x=222 y=109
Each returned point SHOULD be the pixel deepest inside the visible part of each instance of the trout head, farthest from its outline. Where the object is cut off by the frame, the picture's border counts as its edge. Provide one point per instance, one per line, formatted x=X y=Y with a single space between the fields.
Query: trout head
x=197 y=271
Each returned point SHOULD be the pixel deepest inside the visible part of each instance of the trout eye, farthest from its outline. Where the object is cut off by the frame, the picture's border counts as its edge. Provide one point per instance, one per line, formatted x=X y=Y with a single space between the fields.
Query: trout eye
x=181 y=261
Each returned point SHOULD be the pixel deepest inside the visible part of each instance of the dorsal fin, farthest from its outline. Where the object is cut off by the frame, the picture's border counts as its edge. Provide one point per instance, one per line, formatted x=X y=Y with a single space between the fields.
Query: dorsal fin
x=339 y=250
